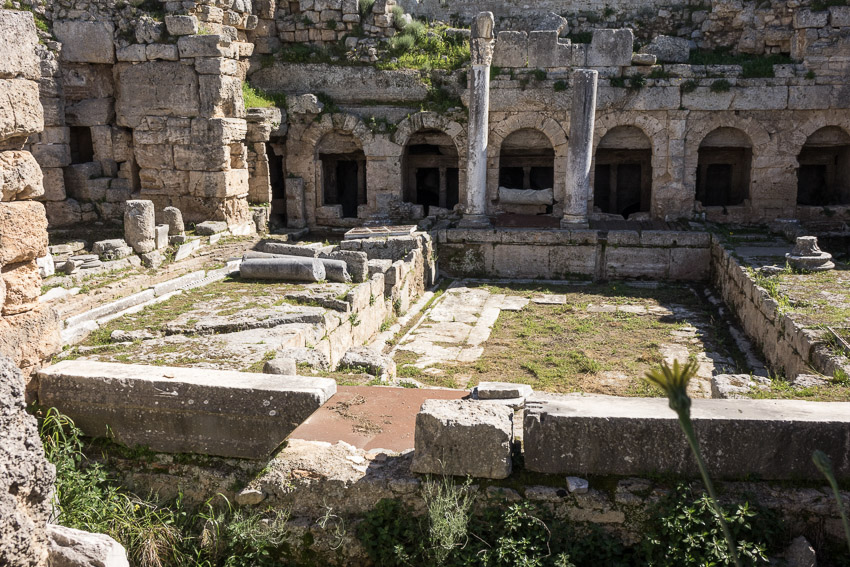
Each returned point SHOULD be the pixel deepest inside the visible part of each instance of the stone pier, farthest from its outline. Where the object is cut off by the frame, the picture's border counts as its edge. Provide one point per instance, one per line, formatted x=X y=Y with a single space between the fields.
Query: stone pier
x=580 y=152
x=479 y=109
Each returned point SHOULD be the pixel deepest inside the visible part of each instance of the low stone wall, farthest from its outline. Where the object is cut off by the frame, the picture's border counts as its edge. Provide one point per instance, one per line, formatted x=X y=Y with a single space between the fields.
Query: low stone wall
x=786 y=345
x=565 y=254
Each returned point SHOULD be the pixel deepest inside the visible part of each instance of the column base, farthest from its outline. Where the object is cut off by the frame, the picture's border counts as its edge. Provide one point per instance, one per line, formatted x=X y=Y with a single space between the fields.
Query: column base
x=574 y=221
x=474 y=221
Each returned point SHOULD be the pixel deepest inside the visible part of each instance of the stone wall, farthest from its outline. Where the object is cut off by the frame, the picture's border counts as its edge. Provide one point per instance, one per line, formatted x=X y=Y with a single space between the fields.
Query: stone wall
x=582 y=254
x=28 y=331
x=788 y=347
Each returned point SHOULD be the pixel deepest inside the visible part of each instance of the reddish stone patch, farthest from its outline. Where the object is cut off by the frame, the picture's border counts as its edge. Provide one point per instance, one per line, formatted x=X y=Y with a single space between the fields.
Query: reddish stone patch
x=371 y=417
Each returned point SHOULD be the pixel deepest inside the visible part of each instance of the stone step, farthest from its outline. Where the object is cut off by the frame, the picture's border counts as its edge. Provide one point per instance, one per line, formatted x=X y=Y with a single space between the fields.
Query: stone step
x=183 y=410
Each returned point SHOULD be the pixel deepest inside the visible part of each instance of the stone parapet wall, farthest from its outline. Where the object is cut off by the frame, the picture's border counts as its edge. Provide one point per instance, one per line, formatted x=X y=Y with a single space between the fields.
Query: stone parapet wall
x=28 y=330
x=788 y=347
x=582 y=254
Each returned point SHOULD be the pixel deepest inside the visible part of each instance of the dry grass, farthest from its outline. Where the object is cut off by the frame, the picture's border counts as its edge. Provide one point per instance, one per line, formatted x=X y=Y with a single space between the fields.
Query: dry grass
x=565 y=348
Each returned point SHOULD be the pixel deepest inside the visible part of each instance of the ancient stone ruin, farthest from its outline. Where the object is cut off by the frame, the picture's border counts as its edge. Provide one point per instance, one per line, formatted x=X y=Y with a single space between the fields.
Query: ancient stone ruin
x=298 y=263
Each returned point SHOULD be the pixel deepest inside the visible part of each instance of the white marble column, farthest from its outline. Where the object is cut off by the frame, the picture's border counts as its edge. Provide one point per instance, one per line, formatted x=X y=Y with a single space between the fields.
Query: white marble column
x=479 y=109
x=580 y=154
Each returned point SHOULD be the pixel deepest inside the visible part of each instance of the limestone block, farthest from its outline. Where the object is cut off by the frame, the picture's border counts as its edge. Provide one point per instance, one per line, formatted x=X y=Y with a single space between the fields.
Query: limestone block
x=18 y=41
x=174 y=219
x=221 y=96
x=216 y=66
x=204 y=46
x=218 y=130
x=63 y=213
x=53 y=110
x=611 y=48
x=163 y=181
x=161 y=51
x=812 y=97
x=760 y=98
x=75 y=548
x=218 y=184
x=23 y=286
x=284 y=268
x=23 y=231
x=20 y=175
x=81 y=81
x=54 y=184
x=134 y=53
x=770 y=439
x=139 y=223
x=20 y=112
x=282 y=365
x=154 y=156
x=703 y=99
x=181 y=25
x=357 y=263
x=462 y=437
x=296 y=214
x=156 y=88
x=214 y=412
x=208 y=228
x=839 y=16
x=85 y=42
x=26 y=482
x=90 y=112
x=208 y=158
x=161 y=236
x=806 y=18
x=112 y=249
x=526 y=196
x=668 y=49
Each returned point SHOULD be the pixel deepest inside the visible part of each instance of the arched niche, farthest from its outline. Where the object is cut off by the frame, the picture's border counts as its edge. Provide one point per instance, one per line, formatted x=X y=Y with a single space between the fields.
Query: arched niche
x=724 y=167
x=430 y=170
x=342 y=171
x=823 y=175
x=527 y=160
x=622 y=182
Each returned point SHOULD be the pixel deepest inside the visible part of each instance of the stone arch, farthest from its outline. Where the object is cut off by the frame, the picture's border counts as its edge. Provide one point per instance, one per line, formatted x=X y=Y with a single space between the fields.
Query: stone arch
x=724 y=167
x=550 y=128
x=320 y=174
x=702 y=126
x=823 y=168
x=622 y=180
x=449 y=174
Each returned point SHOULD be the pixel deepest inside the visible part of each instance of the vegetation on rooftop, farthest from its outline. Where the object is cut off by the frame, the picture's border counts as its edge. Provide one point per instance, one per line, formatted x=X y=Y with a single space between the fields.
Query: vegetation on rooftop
x=257 y=98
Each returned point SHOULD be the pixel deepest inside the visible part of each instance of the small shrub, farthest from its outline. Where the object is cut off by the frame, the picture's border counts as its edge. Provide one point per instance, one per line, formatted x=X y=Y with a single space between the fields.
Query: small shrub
x=637 y=82
x=415 y=29
x=539 y=75
x=402 y=43
x=365 y=7
x=331 y=24
x=689 y=86
x=810 y=75
x=720 y=86
x=659 y=73
x=560 y=86
x=618 y=82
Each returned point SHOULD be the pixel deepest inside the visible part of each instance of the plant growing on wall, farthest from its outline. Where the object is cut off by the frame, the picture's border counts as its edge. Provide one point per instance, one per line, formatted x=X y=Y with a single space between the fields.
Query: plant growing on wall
x=824 y=465
x=674 y=382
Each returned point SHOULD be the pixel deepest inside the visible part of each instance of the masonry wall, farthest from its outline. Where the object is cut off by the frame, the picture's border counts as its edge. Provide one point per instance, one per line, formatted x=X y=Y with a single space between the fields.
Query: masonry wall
x=29 y=332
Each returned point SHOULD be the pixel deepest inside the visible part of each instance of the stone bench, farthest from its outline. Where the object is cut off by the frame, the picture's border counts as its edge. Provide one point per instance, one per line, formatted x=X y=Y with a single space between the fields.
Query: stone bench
x=768 y=439
x=183 y=410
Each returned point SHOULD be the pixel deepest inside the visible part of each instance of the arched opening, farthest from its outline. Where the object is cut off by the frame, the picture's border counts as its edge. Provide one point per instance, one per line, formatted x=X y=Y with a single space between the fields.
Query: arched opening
x=343 y=172
x=622 y=182
x=430 y=170
x=527 y=161
x=723 y=168
x=823 y=177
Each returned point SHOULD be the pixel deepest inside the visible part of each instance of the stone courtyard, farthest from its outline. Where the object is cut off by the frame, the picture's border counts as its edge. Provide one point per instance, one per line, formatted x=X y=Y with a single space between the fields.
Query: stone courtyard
x=326 y=281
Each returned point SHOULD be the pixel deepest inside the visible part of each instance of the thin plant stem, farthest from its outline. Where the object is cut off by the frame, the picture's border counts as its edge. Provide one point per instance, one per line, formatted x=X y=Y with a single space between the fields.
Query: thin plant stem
x=830 y=476
x=688 y=429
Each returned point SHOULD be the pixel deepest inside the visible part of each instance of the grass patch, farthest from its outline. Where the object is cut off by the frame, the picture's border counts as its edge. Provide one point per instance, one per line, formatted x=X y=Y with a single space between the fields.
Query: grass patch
x=257 y=98
x=425 y=48
x=752 y=66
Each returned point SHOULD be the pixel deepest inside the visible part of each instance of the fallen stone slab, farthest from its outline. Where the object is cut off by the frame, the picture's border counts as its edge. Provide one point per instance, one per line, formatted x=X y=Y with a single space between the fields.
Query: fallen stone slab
x=335 y=270
x=280 y=365
x=605 y=435
x=462 y=437
x=728 y=386
x=186 y=250
x=310 y=250
x=76 y=548
x=193 y=322
x=110 y=308
x=502 y=390
x=178 y=283
x=283 y=269
x=208 y=228
x=550 y=299
x=183 y=410
x=372 y=361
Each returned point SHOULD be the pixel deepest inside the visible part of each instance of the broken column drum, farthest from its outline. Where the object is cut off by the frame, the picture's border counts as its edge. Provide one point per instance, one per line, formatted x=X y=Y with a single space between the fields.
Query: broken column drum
x=481 y=47
x=580 y=154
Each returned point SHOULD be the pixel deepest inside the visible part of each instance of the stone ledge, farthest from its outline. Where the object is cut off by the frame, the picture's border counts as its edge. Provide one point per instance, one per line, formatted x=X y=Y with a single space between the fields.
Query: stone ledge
x=769 y=439
x=183 y=410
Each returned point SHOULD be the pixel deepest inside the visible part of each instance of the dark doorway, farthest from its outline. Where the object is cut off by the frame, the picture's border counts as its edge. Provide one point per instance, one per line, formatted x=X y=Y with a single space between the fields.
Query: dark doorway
x=82 y=148
x=823 y=177
x=622 y=183
x=723 y=168
x=527 y=161
x=430 y=170
x=343 y=172
x=278 y=185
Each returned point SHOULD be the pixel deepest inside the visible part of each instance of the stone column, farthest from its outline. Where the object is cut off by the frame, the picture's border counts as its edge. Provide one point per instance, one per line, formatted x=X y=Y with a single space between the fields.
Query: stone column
x=580 y=155
x=479 y=109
